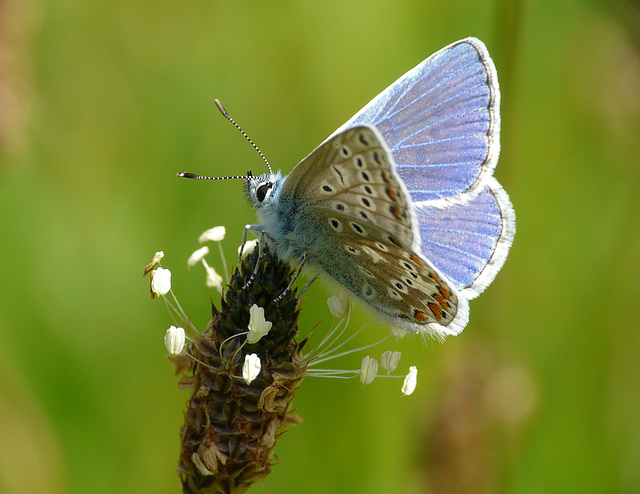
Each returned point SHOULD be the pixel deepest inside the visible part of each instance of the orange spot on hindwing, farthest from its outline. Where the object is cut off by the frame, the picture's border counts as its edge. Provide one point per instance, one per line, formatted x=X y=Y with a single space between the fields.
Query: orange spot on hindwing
x=440 y=299
x=392 y=194
x=436 y=309
x=394 y=241
x=444 y=292
x=420 y=316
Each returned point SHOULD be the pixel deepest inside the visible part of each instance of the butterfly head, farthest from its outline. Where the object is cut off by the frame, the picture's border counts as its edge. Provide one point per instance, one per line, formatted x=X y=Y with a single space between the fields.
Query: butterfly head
x=262 y=189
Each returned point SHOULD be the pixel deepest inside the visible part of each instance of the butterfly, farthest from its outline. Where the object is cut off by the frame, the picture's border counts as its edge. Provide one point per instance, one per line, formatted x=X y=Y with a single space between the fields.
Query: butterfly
x=399 y=205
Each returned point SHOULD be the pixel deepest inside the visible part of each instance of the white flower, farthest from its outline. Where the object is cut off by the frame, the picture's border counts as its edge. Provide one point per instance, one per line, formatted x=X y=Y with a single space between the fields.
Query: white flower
x=160 y=281
x=410 y=381
x=214 y=280
x=251 y=367
x=214 y=234
x=339 y=305
x=389 y=361
x=174 y=340
x=249 y=247
x=368 y=370
x=197 y=256
x=258 y=326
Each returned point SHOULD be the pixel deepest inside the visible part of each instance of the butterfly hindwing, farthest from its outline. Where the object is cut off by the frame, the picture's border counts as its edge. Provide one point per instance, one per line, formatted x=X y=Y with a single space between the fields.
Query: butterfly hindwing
x=378 y=269
x=469 y=242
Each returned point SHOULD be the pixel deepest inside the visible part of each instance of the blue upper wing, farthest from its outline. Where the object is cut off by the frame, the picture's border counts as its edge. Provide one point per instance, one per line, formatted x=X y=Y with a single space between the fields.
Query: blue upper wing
x=441 y=121
x=469 y=241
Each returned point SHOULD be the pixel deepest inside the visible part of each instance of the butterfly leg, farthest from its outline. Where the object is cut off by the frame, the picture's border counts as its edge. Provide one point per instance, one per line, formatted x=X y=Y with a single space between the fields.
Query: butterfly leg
x=254 y=228
x=306 y=285
x=295 y=277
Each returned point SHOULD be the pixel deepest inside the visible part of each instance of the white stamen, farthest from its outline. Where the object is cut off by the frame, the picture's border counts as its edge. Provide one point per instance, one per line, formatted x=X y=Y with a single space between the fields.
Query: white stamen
x=398 y=333
x=174 y=340
x=197 y=256
x=214 y=234
x=251 y=367
x=214 y=280
x=410 y=381
x=258 y=326
x=368 y=370
x=249 y=247
x=339 y=305
x=160 y=281
x=389 y=361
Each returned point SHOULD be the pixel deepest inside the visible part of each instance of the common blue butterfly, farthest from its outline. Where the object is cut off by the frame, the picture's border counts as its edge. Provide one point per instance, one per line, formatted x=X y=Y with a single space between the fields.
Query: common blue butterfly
x=399 y=205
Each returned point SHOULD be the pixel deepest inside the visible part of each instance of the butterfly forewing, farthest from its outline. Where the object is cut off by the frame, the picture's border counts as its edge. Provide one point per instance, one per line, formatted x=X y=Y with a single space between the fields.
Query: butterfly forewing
x=441 y=122
x=353 y=174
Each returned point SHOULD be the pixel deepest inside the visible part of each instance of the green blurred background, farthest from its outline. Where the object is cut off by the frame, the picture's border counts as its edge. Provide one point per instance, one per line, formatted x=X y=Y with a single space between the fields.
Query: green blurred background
x=102 y=102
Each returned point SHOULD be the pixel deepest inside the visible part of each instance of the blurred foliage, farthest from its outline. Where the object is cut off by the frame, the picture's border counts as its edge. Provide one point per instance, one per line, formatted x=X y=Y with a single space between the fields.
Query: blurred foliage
x=102 y=102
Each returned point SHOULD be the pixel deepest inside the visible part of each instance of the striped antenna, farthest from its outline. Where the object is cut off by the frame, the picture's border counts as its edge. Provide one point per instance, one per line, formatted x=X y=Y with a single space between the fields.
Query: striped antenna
x=249 y=174
x=228 y=117
x=203 y=177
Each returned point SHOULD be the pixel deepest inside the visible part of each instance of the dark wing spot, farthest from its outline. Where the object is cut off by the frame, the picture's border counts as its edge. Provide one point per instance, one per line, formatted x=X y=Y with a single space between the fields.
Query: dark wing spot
x=339 y=174
x=367 y=272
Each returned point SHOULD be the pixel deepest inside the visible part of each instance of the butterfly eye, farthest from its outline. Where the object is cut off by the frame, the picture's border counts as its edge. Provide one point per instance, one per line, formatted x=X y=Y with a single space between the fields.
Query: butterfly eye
x=261 y=192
